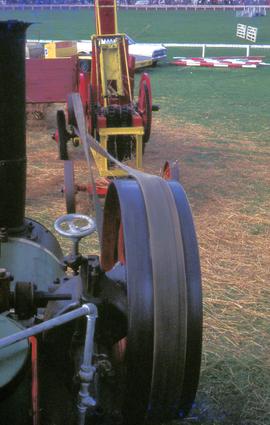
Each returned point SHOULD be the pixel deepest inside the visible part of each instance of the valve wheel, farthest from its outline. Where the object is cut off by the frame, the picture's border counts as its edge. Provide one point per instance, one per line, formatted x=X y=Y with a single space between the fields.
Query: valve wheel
x=163 y=295
x=63 y=135
x=75 y=226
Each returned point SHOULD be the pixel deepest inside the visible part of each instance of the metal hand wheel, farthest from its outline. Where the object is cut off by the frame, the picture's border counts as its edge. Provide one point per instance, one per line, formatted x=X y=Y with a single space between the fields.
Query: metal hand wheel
x=75 y=226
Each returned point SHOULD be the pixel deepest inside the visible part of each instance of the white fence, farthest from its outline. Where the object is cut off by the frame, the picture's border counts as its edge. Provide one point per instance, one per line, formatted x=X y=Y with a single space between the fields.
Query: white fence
x=123 y=6
x=247 y=47
x=251 y=12
x=247 y=32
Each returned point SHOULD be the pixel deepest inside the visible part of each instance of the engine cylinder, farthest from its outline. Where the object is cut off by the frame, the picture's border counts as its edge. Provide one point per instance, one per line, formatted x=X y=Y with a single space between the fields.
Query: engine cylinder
x=12 y=124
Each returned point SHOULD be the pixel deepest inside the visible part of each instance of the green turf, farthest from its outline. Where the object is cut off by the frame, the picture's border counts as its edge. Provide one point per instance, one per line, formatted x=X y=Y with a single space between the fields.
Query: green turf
x=227 y=101
x=161 y=26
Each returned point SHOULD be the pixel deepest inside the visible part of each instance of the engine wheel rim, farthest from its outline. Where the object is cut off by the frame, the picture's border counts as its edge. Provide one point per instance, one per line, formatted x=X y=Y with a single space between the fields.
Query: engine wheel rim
x=194 y=300
x=170 y=309
x=69 y=187
x=140 y=316
x=62 y=135
x=163 y=399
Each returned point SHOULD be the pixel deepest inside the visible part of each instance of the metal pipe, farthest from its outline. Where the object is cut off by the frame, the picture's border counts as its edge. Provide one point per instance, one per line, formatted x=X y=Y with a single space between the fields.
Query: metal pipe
x=87 y=370
x=12 y=124
x=86 y=309
x=35 y=383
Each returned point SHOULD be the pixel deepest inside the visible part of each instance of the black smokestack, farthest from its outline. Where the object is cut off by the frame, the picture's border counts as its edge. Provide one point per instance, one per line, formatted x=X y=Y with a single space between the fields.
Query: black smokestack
x=12 y=124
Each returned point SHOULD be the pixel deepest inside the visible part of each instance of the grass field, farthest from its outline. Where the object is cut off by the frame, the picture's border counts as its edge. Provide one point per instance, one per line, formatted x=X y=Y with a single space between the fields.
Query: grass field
x=214 y=98
x=153 y=26
x=216 y=122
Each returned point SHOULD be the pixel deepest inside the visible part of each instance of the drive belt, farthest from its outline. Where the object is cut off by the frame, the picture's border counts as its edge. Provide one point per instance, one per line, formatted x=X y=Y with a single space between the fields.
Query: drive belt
x=169 y=277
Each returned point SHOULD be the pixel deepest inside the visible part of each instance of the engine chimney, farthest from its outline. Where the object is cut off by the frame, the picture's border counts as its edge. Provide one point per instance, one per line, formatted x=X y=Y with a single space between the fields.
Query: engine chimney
x=12 y=124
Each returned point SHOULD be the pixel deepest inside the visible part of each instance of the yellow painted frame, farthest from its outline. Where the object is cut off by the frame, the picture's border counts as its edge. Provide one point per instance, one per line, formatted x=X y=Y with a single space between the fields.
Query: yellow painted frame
x=102 y=162
x=115 y=58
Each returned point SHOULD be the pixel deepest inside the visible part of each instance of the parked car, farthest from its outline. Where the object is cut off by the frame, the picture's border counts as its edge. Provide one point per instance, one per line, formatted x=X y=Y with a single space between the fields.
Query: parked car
x=141 y=2
x=155 y=51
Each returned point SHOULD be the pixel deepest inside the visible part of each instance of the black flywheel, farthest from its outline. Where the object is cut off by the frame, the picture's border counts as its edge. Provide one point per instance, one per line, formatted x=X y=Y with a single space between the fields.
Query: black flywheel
x=63 y=135
x=69 y=187
x=149 y=240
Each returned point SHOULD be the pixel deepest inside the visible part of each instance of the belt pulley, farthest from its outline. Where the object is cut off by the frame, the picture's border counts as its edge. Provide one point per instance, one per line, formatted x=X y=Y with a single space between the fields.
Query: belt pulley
x=148 y=230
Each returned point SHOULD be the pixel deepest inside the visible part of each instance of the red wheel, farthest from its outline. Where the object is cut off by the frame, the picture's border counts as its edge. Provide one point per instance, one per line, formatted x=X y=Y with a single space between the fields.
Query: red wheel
x=145 y=106
x=171 y=171
x=69 y=190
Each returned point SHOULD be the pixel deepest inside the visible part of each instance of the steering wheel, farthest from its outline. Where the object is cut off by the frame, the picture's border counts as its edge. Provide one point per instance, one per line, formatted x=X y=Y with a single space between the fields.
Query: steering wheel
x=75 y=227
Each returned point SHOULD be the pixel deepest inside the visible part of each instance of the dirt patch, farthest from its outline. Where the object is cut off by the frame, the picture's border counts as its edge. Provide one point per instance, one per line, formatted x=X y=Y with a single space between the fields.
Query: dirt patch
x=228 y=185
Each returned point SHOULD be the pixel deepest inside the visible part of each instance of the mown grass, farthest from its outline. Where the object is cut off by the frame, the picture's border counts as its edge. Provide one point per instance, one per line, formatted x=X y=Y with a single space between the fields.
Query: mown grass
x=153 y=26
x=223 y=99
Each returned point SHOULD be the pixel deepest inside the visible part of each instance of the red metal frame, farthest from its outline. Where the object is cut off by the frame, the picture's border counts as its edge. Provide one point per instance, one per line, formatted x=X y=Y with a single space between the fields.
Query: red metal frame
x=106 y=27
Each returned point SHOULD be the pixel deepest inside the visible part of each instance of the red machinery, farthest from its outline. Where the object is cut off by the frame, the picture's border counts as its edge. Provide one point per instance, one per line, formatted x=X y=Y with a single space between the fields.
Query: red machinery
x=107 y=91
x=119 y=335
x=106 y=86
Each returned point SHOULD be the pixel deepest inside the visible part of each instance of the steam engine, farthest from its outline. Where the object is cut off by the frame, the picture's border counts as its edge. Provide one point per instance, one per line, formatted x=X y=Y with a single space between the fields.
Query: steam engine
x=84 y=339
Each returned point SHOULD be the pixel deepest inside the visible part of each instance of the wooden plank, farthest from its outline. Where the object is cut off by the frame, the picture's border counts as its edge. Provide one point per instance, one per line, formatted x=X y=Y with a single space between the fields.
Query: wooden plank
x=50 y=80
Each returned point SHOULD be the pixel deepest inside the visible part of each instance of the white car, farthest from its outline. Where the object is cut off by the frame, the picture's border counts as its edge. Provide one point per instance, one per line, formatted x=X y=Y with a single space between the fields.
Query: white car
x=154 y=51
x=141 y=2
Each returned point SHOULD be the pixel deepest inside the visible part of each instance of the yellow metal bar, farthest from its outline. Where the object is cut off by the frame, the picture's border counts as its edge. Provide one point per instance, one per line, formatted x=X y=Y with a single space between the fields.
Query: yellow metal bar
x=127 y=70
x=115 y=17
x=104 y=133
x=139 y=149
x=97 y=18
x=94 y=42
x=101 y=164
x=121 y=131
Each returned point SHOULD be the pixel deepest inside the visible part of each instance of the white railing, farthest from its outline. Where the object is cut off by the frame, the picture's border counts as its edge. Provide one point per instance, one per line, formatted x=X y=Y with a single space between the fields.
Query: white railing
x=136 y=7
x=203 y=46
x=192 y=7
x=251 y=12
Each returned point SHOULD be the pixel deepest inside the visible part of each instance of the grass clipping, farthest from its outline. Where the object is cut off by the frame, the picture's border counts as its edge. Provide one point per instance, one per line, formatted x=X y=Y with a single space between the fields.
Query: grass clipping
x=233 y=232
x=234 y=386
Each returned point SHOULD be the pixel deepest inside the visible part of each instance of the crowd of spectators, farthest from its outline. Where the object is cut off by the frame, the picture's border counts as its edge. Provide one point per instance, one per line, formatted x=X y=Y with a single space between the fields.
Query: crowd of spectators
x=141 y=2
